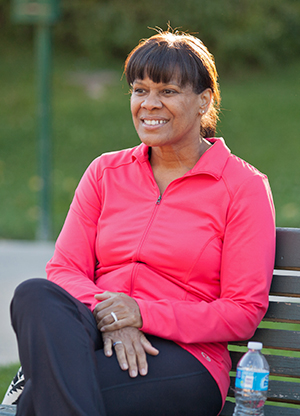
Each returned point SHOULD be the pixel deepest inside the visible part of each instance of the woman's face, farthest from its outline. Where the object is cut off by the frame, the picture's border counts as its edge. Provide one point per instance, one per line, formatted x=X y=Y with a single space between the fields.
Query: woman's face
x=167 y=114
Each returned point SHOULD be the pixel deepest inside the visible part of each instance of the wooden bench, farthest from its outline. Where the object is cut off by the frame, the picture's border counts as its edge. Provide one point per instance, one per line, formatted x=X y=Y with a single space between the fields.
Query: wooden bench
x=283 y=344
x=277 y=338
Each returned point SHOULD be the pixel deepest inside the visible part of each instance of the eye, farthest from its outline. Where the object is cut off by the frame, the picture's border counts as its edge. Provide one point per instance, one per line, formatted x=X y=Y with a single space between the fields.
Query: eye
x=138 y=91
x=169 y=91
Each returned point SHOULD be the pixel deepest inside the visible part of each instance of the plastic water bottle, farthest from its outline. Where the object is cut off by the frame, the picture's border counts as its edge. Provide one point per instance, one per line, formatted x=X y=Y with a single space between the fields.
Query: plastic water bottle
x=251 y=383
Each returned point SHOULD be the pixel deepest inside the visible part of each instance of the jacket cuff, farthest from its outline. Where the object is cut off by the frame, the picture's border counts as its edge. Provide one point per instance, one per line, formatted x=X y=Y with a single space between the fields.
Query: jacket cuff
x=143 y=305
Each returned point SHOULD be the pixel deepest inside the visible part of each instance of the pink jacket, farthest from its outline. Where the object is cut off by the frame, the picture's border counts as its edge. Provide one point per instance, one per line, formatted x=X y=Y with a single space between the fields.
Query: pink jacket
x=198 y=260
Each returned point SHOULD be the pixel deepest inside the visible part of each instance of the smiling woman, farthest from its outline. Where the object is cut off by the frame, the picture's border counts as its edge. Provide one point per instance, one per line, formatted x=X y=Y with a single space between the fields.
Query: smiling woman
x=168 y=114
x=167 y=118
x=167 y=58
x=175 y=101
x=155 y=259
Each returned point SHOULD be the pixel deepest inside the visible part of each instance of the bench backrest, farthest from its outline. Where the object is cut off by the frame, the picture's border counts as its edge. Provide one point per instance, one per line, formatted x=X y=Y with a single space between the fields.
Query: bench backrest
x=279 y=331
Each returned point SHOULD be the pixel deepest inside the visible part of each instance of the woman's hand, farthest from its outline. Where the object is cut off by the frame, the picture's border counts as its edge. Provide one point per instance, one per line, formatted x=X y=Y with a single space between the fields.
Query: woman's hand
x=116 y=311
x=131 y=348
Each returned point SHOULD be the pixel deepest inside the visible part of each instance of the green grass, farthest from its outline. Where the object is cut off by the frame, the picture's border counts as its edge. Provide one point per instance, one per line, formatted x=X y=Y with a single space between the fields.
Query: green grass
x=7 y=373
x=259 y=121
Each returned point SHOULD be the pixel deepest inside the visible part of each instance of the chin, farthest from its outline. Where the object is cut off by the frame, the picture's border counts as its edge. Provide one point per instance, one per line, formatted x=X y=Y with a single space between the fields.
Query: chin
x=152 y=141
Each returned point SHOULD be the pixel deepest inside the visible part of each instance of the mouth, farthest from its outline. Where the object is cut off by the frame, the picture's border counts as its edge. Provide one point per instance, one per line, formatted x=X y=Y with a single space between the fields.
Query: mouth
x=153 y=122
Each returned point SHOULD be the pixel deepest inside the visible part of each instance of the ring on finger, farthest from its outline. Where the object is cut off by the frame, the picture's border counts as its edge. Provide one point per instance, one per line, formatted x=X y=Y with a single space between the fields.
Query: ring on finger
x=117 y=342
x=114 y=316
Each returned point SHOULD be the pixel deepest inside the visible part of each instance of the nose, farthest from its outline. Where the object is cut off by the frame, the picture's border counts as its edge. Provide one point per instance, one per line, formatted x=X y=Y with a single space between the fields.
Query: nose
x=151 y=101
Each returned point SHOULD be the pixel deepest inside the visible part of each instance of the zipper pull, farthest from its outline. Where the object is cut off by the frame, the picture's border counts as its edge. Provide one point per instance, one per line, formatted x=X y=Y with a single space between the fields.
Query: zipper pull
x=158 y=200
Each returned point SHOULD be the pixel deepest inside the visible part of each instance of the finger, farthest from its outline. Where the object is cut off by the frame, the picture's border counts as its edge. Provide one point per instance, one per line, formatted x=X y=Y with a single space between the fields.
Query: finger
x=131 y=360
x=104 y=310
x=109 y=302
x=98 y=313
x=121 y=356
x=109 y=319
x=108 y=323
x=104 y=304
x=141 y=359
x=148 y=347
x=104 y=295
x=99 y=316
x=121 y=323
x=116 y=299
x=108 y=347
x=107 y=299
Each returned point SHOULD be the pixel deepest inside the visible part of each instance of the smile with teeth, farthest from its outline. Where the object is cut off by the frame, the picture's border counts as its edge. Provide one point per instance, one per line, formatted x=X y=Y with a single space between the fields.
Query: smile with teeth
x=154 y=122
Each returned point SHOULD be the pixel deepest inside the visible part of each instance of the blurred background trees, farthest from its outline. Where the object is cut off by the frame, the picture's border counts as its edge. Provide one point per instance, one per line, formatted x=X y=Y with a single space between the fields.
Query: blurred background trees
x=255 y=33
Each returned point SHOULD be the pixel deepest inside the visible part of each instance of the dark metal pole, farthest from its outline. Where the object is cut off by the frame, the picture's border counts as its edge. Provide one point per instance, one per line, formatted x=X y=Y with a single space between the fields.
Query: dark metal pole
x=44 y=55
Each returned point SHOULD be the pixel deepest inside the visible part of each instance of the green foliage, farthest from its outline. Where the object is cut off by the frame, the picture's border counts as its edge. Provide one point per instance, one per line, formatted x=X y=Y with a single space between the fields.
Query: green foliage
x=240 y=33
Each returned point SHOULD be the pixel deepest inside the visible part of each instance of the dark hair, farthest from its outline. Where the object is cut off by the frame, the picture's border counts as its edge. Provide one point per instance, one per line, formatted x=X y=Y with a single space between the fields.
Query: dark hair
x=169 y=54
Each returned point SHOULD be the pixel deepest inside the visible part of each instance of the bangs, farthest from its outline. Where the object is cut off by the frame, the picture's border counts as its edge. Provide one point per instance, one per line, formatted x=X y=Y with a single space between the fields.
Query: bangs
x=162 y=62
x=175 y=56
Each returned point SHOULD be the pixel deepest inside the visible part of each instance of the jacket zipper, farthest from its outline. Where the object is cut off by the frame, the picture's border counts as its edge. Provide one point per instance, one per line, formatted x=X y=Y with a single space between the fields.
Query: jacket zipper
x=148 y=226
x=134 y=271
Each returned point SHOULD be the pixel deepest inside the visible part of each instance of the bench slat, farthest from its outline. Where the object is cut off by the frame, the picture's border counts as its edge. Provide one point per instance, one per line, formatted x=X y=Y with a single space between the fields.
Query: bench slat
x=287 y=248
x=283 y=312
x=269 y=410
x=285 y=285
x=275 y=338
x=279 y=365
x=284 y=391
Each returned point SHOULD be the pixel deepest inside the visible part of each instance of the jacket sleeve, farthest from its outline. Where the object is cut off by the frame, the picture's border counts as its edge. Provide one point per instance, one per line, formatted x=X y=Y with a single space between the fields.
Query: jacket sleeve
x=73 y=265
x=245 y=277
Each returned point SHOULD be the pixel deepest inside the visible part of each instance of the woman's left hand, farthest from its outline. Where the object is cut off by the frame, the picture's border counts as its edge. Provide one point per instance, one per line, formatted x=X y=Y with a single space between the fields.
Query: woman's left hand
x=116 y=311
x=131 y=347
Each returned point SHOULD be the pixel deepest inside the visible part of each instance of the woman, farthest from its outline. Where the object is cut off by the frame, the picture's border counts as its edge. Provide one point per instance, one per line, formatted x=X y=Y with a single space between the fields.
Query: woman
x=166 y=254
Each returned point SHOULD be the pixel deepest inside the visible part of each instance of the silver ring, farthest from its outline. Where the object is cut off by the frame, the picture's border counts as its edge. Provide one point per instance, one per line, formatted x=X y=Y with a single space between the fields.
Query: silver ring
x=114 y=316
x=117 y=342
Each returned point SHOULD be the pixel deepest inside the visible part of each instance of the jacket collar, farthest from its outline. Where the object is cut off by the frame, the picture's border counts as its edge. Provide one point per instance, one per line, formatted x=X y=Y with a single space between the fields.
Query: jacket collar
x=211 y=163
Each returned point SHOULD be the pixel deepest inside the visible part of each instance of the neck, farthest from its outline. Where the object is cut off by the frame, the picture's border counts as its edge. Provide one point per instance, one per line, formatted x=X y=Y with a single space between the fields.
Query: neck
x=169 y=165
x=183 y=158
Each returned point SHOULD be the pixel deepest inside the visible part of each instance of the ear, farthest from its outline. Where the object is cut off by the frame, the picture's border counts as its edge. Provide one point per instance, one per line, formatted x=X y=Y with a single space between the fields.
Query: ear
x=205 y=99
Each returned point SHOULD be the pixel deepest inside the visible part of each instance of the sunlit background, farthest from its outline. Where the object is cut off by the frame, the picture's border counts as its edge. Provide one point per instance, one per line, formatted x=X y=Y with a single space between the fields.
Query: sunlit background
x=256 y=44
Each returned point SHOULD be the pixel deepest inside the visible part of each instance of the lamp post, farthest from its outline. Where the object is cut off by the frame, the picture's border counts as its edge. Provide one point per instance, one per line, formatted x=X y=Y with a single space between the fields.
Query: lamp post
x=43 y=14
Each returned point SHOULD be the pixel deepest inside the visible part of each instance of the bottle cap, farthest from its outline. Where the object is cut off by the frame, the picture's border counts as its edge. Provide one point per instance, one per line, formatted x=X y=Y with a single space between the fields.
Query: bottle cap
x=254 y=345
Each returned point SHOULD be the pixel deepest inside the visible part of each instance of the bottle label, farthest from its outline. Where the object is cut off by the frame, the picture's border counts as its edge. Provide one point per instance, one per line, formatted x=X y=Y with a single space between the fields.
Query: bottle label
x=246 y=379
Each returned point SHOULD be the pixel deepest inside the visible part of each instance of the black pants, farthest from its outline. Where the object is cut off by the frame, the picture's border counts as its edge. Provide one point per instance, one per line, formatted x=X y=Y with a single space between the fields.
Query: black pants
x=67 y=373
